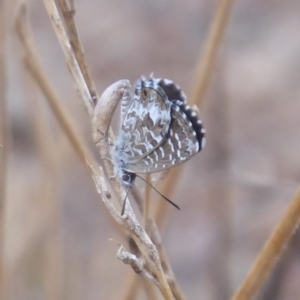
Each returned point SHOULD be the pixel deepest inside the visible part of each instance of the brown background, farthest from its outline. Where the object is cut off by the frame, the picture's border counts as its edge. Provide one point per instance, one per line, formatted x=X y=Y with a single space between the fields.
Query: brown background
x=231 y=195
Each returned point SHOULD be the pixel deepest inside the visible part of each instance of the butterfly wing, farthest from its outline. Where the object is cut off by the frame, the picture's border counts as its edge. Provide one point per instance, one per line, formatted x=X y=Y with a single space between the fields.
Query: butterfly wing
x=185 y=137
x=145 y=123
x=173 y=91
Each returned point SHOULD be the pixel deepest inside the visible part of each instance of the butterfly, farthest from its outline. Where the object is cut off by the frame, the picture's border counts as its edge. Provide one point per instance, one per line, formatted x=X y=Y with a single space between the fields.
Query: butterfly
x=159 y=130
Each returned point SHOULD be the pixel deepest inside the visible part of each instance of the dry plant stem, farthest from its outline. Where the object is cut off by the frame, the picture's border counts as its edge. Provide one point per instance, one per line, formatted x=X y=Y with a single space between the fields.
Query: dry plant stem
x=147 y=202
x=132 y=288
x=202 y=80
x=271 y=251
x=169 y=186
x=137 y=195
x=206 y=65
x=177 y=293
x=38 y=75
x=149 y=290
x=72 y=62
x=101 y=122
x=48 y=192
x=115 y=93
x=68 y=10
x=136 y=264
x=34 y=67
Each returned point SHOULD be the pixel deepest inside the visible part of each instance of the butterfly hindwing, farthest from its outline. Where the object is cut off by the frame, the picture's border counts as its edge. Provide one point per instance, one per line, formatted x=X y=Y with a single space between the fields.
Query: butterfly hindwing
x=185 y=138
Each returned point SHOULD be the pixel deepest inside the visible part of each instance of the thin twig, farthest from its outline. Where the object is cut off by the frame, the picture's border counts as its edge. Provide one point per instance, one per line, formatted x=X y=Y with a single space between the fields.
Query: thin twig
x=132 y=288
x=78 y=50
x=34 y=67
x=136 y=264
x=168 y=188
x=47 y=195
x=72 y=62
x=68 y=11
x=201 y=83
x=178 y=294
x=271 y=251
x=37 y=73
x=213 y=45
x=111 y=96
x=147 y=200
x=101 y=124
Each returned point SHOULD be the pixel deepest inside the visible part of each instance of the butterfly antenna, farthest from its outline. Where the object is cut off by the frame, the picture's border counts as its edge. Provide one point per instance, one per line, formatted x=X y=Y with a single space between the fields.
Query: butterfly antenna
x=124 y=202
x=167 y=199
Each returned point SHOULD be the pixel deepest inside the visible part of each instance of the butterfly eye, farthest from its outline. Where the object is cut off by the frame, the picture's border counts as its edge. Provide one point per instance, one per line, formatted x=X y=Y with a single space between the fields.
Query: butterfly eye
x=145 y=93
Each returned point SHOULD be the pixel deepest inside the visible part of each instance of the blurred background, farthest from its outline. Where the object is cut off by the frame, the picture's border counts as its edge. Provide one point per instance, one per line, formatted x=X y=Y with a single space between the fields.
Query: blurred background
x=231 y=195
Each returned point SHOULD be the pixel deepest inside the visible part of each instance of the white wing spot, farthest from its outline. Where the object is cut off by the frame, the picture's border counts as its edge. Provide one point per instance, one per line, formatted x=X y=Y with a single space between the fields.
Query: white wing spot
x=179 y=144
x=156 y=156
x=168 y=82
x=162 y=151
x=171 y=145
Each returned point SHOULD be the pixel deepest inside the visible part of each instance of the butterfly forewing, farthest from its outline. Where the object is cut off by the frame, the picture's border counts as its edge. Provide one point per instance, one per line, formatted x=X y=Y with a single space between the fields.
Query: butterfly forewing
x=145 y=122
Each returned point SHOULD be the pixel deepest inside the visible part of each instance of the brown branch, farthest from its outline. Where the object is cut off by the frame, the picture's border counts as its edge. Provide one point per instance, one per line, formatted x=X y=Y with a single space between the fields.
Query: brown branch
x=35 y=69
x=147 y=199
x=68 y=11
x=178 y=294
x=101 y=123
x=132 y=289
x=112 y=95
x=213 y=45
x=47 y=192
x=72 y=62
x=271 y=251
x=136 y=264
x=201 y=83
